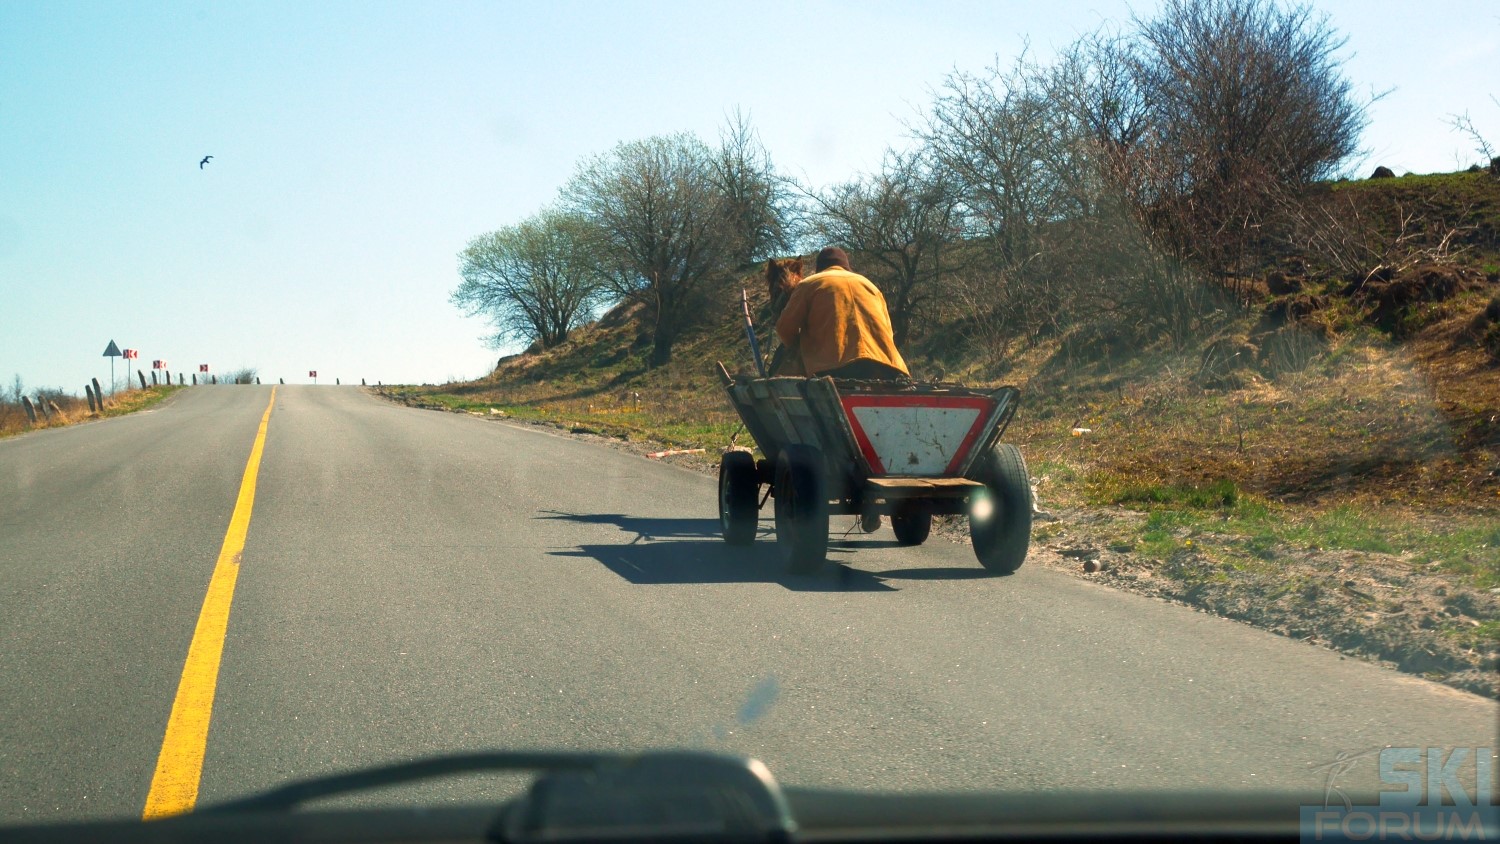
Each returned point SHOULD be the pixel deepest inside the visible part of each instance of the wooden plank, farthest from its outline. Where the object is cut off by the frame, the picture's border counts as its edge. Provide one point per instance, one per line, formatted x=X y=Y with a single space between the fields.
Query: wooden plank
x=932 y=483
x=920 y=487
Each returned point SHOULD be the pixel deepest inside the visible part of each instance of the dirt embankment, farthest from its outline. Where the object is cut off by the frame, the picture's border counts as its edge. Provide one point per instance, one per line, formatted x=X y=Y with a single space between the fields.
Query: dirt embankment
x=1364 y=604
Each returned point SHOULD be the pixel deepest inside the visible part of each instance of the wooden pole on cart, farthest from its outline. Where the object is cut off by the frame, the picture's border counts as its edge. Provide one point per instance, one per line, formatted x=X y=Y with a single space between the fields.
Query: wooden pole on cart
x=760 y=365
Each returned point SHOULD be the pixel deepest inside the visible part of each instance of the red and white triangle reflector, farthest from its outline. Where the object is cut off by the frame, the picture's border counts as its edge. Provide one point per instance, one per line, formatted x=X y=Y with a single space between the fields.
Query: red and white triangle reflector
x=915 y=434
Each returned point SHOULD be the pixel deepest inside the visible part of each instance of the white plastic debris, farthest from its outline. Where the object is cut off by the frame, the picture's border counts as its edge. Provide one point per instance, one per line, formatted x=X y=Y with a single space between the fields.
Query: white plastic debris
x=670 y=452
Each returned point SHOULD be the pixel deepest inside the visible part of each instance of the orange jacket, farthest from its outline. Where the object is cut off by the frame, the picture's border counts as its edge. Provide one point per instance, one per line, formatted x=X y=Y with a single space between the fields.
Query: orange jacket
x=837 y=317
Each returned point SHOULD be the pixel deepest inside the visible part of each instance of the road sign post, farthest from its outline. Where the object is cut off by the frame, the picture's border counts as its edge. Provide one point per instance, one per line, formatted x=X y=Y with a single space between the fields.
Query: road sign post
x=132 y=354
x=112 y=351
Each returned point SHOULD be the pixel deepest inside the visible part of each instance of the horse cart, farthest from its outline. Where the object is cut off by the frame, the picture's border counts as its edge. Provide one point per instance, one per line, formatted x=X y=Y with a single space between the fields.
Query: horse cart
x=872 y=448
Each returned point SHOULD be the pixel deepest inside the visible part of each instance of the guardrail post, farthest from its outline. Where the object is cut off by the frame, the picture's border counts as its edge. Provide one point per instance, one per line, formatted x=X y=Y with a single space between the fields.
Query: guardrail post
x=153 y=378
x=56 y=411
x=282 y=380
x=41 y=405
x=141 y=375
x=88 y=390
x=30 y=411
x=257 y=380
x=215 y=379
x=98 y=394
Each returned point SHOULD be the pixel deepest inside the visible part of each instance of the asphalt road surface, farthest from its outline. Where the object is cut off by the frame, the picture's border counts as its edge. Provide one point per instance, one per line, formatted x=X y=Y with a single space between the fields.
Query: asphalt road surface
x=415 y=583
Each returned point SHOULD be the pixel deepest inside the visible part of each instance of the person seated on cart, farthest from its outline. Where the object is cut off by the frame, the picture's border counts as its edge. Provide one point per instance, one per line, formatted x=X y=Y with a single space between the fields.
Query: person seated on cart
x=838 y=324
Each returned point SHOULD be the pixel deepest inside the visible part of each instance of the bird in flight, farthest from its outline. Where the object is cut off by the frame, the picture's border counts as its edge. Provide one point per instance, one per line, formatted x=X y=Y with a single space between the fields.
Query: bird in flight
x=206 y=159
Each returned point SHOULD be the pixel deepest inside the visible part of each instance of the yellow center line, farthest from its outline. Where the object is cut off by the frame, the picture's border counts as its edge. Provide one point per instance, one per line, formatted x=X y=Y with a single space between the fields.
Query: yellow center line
x=174 y=787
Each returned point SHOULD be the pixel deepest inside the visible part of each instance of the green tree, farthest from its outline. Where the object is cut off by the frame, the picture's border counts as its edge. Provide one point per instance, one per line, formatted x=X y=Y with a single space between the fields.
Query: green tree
x=662 y=229
x=534 y=280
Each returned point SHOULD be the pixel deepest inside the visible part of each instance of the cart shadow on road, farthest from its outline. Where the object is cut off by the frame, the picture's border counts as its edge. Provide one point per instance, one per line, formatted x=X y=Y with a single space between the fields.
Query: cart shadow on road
x=940 y=573
x=684 y=551
x=696 y=553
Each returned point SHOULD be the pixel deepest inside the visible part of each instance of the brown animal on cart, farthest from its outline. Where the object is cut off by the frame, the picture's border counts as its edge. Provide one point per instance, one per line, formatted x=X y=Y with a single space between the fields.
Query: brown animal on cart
x=782 y=276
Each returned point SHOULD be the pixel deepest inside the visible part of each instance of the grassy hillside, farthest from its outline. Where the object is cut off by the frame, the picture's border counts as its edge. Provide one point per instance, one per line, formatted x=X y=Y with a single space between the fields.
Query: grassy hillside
x=1382 y=392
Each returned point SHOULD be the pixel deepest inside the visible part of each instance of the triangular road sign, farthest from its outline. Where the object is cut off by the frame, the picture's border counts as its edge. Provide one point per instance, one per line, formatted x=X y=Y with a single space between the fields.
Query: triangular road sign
x=113 y=351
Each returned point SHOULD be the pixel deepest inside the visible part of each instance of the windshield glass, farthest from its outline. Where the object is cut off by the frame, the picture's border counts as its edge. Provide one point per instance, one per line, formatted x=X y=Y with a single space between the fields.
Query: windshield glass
x=942 y=397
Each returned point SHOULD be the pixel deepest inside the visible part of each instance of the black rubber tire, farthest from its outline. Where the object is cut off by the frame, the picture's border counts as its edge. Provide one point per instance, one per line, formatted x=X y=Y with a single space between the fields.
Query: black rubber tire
x=739 y=490
x=912 y=523
x=801 y=491
x=1002 y=540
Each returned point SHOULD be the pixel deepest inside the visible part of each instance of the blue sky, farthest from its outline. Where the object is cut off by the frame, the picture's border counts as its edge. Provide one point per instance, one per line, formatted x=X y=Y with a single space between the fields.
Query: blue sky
x=358 y=146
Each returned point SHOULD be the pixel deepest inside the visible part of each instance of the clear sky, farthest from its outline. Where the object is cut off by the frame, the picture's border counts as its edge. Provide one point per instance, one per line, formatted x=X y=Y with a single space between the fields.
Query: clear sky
x=358 y=146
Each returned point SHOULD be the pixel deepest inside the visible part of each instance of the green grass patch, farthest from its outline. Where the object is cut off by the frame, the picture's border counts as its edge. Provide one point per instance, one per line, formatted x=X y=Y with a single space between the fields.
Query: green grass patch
x=1342 y=528
x=1114 y=489
x=1180 y=513
x=1473 y=552
x=1250 y=532
x=1055 y=471
x=1158 y=543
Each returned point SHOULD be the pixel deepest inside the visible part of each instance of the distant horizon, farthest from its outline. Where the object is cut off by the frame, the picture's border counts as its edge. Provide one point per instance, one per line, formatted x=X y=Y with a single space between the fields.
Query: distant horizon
x=357 y=148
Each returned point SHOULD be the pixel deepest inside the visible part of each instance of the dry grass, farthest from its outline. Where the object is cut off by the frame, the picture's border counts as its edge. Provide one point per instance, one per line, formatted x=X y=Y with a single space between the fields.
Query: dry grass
x=1367 y=422
x=71 y=410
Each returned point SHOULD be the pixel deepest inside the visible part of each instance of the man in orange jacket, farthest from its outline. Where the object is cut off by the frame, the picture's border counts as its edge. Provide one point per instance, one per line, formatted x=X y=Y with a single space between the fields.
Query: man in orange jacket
x=837 y=320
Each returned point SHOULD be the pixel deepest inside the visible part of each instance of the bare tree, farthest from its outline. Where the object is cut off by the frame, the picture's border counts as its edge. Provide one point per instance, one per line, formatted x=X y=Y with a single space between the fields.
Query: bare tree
x=899 y=223
x=1465 y=124
x=1024 y=162
x=662 y=229
x=995 y=135
x=534 y=280
x=757 y=198
x=1242 y=102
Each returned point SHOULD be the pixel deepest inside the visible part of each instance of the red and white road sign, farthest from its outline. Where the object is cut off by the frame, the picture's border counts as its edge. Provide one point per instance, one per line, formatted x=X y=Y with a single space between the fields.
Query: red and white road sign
x=915 y=434
x=158 y=364
x=202 y=367
x=132 y=354
x=312 y=373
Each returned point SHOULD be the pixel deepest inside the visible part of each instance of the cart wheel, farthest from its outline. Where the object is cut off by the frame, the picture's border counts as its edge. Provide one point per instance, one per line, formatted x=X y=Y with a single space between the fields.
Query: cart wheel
x=801 y=508
x=1000 y=521
x=912 y=523
x=739 y=511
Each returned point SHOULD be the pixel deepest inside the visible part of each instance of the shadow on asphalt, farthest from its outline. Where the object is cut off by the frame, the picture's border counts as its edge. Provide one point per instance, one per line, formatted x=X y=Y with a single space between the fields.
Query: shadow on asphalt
x=666 y=551
x=682 y=551
x=940 y=573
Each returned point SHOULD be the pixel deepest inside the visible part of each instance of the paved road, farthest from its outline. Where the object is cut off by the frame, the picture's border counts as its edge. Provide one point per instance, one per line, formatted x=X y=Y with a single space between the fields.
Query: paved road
x=415 y=583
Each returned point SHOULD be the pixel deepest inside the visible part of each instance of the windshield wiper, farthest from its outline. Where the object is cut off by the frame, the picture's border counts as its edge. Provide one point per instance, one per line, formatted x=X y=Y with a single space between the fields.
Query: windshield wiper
x=654 y=795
